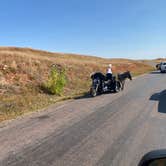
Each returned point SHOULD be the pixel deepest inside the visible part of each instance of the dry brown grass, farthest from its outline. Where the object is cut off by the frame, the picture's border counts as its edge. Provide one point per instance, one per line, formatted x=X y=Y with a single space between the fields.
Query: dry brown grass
x=22 y=70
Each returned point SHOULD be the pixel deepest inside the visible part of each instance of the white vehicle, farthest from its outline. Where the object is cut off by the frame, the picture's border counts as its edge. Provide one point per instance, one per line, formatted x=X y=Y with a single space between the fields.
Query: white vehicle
x=163 y=67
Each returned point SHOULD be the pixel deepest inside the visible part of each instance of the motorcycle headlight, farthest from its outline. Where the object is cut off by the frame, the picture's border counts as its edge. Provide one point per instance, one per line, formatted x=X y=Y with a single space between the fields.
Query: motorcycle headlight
x=95 y=80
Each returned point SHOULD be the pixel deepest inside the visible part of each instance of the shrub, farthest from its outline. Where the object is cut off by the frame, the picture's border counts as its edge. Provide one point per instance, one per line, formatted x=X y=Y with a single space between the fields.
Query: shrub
x=56 y=81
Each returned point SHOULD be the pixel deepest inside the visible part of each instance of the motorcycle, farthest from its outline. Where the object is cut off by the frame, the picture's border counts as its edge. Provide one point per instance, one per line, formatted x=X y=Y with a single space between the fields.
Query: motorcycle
x=101 y=84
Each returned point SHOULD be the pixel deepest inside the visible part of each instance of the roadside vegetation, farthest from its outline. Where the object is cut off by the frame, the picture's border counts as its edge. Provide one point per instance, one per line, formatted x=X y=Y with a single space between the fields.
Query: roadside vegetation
x=33 y=79
x=56 y=81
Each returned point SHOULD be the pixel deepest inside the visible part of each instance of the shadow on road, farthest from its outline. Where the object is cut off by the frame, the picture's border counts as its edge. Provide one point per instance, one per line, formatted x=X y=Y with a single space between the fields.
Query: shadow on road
x=161 y=97
x=156 y=72
x=88 y=95
x=84 y=96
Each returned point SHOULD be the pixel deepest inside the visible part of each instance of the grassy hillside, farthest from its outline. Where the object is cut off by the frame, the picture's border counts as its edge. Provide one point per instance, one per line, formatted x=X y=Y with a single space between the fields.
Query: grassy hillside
x=23 y=70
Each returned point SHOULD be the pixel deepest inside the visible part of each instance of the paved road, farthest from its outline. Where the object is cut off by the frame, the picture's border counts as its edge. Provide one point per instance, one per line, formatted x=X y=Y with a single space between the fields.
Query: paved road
x=111 y=129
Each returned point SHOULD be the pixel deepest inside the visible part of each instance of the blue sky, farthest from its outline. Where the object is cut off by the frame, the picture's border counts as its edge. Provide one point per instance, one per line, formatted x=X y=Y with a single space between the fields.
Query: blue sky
x=109 y=28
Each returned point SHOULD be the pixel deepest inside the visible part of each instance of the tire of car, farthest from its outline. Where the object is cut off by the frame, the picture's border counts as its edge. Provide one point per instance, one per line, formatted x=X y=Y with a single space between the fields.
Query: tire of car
x=162 y=71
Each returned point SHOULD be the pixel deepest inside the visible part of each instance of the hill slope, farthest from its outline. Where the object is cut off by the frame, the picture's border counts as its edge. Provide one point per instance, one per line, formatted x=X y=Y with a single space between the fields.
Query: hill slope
x=22 y=70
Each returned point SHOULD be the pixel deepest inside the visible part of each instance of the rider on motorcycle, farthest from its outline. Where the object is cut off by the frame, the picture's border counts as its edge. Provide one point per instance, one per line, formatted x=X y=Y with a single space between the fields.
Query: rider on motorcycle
x=109 y=72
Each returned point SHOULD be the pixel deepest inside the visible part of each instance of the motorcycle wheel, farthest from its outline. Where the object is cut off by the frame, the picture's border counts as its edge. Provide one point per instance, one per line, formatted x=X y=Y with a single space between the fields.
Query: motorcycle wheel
x=117 y=87
x=93 y=92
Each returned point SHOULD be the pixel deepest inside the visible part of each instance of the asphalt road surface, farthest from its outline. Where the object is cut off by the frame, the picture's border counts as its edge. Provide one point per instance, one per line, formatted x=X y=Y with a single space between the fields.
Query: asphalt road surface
x=111 y=129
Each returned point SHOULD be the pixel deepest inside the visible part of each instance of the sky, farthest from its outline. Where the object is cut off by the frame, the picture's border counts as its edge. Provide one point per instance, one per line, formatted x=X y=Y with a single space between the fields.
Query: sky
x=133 y=29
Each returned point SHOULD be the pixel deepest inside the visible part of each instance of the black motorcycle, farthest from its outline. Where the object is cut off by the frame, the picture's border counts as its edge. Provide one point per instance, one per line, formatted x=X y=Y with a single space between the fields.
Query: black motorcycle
x=101 y=84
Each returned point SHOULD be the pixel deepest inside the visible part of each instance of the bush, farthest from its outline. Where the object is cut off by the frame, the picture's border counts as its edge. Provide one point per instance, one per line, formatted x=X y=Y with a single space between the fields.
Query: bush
x=56 y=81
